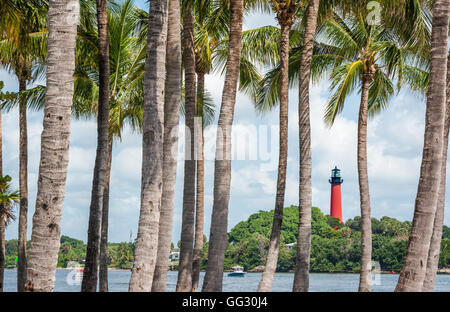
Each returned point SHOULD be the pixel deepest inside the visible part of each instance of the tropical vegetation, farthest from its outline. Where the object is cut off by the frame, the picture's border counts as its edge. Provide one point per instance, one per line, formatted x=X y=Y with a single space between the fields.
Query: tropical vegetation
x=333 y=249
x=119 y=64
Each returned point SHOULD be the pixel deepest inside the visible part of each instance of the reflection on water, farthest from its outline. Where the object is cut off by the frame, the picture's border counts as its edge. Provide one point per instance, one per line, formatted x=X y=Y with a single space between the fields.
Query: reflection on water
x=118 y=281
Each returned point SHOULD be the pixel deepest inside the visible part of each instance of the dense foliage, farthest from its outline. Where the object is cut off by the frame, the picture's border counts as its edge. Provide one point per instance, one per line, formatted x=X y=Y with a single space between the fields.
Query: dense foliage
x=120 y=254
x=335 y=247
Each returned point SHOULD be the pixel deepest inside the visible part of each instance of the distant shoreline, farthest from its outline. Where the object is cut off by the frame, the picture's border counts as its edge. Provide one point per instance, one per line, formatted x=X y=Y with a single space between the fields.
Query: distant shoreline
x=444 y=271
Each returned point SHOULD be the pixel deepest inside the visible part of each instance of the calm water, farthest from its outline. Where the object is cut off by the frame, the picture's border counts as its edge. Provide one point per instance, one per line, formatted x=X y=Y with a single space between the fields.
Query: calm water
x=118 y=281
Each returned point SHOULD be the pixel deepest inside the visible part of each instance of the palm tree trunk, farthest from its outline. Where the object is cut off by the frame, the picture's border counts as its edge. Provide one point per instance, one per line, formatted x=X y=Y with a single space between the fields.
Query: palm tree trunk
x=184 y=282
x=152 y=150
x=274 y=246
x=2 y=220
x=301 y=276
x=435 y=245
x=45 y=238
x=200 y=195
x=2 y=250
x=23 y=186
x=171 y=120
x=104 y=258
x=414 y=268
x=89 y=283
x=366 y=224
x=222 y=165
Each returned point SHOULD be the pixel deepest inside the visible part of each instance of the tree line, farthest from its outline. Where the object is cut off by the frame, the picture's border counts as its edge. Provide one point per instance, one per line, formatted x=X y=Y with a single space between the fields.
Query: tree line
x=116 y=63
x=335 y=246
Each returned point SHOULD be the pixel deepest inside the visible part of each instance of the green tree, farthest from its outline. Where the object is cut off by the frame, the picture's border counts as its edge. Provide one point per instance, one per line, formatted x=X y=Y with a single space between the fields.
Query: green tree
x=8 y=198
x=89 y=283
x=22 y=51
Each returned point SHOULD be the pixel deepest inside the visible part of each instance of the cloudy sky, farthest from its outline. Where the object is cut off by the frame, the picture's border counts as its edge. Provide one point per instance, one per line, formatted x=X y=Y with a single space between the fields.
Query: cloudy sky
x=395 y=141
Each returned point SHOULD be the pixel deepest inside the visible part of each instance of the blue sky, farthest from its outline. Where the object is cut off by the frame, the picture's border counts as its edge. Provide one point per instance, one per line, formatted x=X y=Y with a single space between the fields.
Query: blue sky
x=395 y=142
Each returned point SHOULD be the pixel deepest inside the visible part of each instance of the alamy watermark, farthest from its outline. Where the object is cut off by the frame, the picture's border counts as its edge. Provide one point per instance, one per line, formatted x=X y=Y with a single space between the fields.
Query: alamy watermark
x=75 y=276
x=238 y=142
x=374 y=15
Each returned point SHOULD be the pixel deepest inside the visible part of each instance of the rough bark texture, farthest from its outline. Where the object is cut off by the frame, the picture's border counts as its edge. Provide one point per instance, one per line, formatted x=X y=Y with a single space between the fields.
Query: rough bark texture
x=435 y=245
x=152 y=150
x=184 y=282
x=2 y=252
x=414 y=268
x=45 y=238
x=2 y=222
x=222 y=165
x=23 y=187
x=274 y=246
x=90 y=275
x=301 y=276
x=200 y=187
x=171 y=120
x=365 y=279
x=104 y=257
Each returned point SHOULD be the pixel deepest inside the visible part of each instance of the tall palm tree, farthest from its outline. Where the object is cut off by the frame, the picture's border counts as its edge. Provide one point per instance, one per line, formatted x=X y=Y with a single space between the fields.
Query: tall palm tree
x=171 y=118
x=152 y=158
x=63 y=20
x=367 y=57
x=2 y=223
x=285 y=11
x=222 y=168
x=101 y=161
x=127 y=32
x=435 y=244
x=125 y=93
x=22 y=47
x=8 y=198
x=301 y=277
x=413 y=273
x=184 y=282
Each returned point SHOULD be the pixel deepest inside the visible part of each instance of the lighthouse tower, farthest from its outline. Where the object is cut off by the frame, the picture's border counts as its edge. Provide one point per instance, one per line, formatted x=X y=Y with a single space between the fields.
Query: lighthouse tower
x=336 y=202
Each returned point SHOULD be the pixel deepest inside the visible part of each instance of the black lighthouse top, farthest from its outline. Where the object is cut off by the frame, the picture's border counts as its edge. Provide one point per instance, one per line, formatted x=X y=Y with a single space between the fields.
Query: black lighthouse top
x=336 y=176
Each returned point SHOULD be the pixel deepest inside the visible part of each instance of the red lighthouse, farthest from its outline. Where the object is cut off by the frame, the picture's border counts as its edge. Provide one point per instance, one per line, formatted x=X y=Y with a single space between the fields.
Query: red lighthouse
x=336 y=202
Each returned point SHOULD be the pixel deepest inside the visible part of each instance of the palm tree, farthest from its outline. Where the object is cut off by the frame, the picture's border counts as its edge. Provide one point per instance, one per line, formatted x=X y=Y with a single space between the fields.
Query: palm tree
x=285 y=11
x=184 y=282
x=22 y=47
x=435 y=244
x=301 y=277
x=8 y=199
x=63 y=20
x=211 y=51
x=222 y=169
x=368 y=57
x=206 y=35
x=127 y=31
x=171 y=119
x=125 y=91
x=413 y=273
x=152 y=158
x=2 y=223
x=101 y=162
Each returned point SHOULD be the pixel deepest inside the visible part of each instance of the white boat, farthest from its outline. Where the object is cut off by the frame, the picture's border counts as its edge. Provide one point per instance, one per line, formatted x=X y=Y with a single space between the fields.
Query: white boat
x=237 y=271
